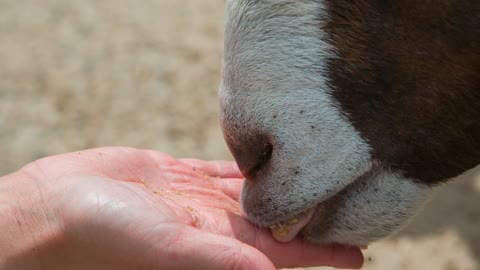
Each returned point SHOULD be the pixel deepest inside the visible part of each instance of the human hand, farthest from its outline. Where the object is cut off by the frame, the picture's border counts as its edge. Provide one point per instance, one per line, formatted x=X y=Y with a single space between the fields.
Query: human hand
x=122 y=208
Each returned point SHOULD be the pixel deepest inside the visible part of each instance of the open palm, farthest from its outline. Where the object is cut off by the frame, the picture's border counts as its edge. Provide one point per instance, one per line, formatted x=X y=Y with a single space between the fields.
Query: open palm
x=123 y=208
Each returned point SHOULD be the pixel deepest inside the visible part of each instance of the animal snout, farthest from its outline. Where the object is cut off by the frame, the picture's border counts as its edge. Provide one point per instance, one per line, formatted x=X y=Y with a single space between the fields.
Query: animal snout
x=252 y=155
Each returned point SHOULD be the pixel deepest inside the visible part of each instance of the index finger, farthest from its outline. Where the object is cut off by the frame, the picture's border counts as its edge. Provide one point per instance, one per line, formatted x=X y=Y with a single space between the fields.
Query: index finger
x=214 y=168
x=297 y=253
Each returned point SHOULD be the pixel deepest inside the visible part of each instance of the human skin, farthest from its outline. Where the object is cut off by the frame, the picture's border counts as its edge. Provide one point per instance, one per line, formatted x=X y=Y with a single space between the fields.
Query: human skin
x=123 y=208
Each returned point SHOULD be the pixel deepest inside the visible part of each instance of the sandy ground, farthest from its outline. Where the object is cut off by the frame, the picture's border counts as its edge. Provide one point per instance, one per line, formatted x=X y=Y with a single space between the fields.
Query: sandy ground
x=85 y=73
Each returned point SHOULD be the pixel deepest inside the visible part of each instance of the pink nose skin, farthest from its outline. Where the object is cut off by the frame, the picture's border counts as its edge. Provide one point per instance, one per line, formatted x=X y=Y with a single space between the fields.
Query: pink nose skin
x=251 y=155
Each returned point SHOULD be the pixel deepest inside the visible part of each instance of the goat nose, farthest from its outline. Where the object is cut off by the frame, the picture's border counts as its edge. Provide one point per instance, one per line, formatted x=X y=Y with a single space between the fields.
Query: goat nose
x=251 y=156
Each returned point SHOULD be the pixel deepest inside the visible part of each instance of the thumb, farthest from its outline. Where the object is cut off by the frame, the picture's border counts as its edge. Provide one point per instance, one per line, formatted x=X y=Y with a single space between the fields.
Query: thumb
x=196 y=249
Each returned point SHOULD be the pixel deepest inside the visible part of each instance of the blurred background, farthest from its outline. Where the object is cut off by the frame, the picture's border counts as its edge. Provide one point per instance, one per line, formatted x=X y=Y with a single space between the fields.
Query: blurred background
x=78 y=74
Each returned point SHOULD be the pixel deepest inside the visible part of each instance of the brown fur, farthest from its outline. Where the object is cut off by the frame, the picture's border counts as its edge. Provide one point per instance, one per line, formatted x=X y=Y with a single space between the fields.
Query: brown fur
x=408 y=77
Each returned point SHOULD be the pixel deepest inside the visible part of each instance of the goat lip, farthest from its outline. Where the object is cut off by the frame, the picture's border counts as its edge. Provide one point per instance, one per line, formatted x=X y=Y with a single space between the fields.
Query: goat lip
x=287 y=231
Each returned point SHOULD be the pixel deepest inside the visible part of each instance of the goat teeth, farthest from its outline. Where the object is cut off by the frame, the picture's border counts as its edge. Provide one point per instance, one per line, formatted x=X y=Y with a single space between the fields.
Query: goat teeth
x=283 y=230
x=287 y=231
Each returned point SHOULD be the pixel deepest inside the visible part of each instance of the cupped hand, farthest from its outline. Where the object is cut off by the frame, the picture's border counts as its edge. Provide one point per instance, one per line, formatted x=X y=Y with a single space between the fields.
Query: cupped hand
x=123 y=208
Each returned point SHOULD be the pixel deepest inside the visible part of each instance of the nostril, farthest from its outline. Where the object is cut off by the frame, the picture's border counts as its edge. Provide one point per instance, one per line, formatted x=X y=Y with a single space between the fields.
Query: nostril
x=264 y=158
x=252 y=157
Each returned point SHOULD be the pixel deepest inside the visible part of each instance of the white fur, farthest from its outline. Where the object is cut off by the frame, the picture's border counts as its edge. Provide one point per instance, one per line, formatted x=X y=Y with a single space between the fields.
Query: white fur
x=274 y=82
x=370 y=210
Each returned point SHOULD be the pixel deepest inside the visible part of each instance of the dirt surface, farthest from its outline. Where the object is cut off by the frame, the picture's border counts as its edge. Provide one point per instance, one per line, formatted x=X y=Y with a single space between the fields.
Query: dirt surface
x=86 y=73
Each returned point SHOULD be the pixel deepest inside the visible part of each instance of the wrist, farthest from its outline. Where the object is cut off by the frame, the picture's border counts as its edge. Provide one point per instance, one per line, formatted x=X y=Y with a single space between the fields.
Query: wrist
x=29 y=227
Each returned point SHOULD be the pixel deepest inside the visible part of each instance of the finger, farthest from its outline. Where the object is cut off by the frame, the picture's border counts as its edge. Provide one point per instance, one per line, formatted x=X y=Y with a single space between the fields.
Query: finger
x=304 y=254
x=232 y=187
x=210 y=251
x=300 y=252
x=224 y=175
x=216 y=168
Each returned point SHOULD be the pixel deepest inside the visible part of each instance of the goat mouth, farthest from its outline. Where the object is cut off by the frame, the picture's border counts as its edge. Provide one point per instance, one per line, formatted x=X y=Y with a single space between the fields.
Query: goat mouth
x=286 y=231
